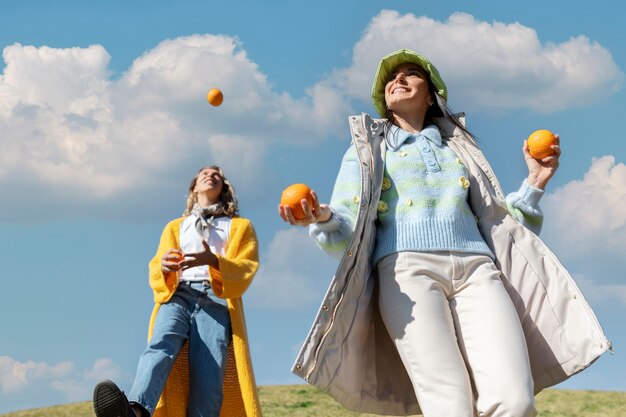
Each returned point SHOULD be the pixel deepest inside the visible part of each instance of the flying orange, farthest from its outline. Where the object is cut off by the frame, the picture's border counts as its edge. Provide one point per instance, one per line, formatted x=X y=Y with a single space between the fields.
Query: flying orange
x=215 y=97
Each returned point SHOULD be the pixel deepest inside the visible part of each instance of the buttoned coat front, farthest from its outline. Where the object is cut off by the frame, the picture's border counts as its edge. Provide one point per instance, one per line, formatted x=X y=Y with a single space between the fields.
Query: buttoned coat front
x=348 y=352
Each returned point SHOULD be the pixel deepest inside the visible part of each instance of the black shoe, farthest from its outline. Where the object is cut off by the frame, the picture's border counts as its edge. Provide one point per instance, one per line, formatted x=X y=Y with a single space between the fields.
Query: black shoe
x=110 y=401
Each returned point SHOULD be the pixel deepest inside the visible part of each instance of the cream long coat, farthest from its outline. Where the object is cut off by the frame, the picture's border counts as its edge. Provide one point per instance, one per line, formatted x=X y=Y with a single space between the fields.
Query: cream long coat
x=348 y=352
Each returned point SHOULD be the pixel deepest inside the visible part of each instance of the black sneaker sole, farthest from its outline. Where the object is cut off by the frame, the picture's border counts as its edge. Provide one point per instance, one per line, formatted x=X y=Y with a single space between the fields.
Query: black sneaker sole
x=108 y=400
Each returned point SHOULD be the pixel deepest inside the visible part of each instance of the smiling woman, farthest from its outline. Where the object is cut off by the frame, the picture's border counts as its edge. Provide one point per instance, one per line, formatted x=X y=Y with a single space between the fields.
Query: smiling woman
x=197 y=358
x=407 y=88
x=433 y=308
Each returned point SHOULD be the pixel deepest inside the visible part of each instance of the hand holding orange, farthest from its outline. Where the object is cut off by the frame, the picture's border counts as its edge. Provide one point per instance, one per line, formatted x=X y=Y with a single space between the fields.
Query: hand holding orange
x=293 y=195
x=178 y=257
x=215 y=97
x=540 y=144
x=170 y=262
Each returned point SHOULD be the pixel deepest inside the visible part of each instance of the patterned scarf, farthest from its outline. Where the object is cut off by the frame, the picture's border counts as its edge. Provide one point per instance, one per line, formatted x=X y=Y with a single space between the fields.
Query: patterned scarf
x=205 y=215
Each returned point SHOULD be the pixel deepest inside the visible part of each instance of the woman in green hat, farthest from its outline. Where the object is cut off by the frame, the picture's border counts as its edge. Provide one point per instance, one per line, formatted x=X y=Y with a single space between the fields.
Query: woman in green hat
x=445 y=301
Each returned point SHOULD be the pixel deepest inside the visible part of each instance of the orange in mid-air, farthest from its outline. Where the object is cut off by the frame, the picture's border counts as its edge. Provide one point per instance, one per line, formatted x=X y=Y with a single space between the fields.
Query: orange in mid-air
x=215 y=97
x=293 y=195
x=540 y=143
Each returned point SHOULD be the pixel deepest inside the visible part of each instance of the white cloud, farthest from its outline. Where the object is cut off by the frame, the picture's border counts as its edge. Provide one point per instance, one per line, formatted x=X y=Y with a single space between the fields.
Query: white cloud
x=71 y=135
x=241 y=158
x=294 y=272
x=488 y=65
x=74 y=79
x=75 y=137
x=80 y=386
x=16 y=375
x=75 y=385
x=589 y=215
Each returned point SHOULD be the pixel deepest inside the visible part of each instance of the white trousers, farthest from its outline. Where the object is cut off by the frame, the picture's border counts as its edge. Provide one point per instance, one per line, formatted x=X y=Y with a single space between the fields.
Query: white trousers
x=457 y=333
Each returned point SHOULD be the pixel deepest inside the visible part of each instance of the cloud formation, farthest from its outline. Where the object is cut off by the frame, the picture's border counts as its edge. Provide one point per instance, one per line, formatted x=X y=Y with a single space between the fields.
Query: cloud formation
x=76 y=136
x=16 y=375
x=588 y=214
x=73 y=384
x=488 y=66
x=79 y=386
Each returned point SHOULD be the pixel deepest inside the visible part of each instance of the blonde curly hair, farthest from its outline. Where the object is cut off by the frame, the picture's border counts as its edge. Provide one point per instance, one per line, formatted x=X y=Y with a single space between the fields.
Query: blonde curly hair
x=227 y=196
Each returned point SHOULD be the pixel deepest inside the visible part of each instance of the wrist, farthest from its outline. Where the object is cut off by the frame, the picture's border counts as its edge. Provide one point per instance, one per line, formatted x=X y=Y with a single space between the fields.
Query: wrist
x=535 y=181
x=325 y=214
x=214 y=262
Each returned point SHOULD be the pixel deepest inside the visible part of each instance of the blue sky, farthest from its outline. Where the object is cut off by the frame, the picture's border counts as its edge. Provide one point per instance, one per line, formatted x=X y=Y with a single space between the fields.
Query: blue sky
x=103 y=122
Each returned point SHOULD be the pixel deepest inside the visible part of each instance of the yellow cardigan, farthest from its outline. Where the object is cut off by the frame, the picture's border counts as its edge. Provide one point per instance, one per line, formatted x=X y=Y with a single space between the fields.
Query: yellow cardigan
x=235 y=274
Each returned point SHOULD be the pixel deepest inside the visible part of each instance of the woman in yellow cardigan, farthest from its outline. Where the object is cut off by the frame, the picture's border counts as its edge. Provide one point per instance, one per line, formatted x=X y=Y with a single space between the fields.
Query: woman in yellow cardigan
x=197 y=363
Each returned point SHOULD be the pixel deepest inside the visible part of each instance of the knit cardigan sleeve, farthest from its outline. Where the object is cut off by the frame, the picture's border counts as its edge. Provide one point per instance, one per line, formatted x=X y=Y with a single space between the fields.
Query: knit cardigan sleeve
x=523 y=205
x=334 y=235
x=163 y=285
x=237 y=269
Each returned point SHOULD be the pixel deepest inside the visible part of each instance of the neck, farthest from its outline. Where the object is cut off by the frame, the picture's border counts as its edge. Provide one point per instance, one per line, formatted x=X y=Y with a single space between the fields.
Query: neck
x=411 y=123
x=206 y=201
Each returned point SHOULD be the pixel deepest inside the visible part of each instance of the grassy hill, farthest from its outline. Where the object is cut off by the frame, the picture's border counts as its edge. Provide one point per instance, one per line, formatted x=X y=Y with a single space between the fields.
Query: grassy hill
x=307 y=401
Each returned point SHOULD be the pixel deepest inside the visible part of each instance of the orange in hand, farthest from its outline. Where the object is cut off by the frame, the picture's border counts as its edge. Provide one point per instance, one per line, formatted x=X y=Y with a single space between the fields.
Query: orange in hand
x=292 y=197
x=175 y=257
x=179 y=258
x=540 y=143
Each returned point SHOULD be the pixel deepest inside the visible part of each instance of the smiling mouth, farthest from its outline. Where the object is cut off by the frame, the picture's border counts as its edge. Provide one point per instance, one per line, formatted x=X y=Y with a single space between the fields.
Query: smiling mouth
x=399 y=90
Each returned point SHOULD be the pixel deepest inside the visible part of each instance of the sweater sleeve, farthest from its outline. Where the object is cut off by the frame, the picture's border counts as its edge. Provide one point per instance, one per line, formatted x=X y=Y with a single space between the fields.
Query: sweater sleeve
x=238 y=267
x=334 y=235
x=523 y=205
x=164 y=285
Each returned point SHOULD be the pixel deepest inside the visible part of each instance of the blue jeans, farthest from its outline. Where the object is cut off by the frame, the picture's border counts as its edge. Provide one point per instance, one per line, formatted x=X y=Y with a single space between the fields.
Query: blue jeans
x=196 y=314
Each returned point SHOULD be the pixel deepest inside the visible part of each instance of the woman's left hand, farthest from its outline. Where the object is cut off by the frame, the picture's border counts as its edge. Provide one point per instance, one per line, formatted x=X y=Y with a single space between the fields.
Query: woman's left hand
x=541 y=170
x=204 y=257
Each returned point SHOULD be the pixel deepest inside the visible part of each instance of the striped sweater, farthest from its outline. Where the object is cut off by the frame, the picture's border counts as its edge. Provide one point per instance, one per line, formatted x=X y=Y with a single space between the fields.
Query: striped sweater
x=423 y=204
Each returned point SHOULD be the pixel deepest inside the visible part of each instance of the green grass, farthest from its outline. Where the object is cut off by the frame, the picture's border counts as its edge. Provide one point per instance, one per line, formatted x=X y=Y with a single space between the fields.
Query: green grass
x=307 y=401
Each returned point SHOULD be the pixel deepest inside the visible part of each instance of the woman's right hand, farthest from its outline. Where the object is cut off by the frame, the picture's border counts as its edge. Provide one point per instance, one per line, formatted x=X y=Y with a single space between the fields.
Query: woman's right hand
x=319 y=213
x=169 y=261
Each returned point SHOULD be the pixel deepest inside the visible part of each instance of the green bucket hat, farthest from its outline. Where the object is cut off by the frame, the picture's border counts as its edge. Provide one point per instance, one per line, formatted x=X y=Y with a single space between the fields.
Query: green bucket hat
x=391 y=61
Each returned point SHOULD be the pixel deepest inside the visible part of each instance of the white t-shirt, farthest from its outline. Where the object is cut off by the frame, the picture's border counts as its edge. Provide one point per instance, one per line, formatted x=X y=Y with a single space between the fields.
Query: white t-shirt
x=191 y=242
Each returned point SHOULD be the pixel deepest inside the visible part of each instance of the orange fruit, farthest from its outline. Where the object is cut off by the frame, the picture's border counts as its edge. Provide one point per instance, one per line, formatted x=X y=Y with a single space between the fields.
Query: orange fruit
x=177 y=257
x=215 y=97
x=292 y=197
x=540 y=143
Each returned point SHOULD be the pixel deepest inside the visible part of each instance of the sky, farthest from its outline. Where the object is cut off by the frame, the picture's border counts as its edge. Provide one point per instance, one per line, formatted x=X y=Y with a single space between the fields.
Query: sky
x=104 y=122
